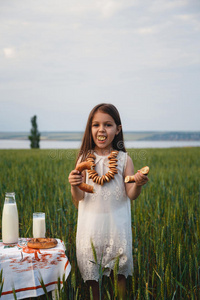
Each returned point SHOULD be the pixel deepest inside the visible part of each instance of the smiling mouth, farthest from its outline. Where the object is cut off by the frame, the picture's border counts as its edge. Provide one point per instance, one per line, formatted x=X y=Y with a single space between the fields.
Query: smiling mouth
x=101 y=138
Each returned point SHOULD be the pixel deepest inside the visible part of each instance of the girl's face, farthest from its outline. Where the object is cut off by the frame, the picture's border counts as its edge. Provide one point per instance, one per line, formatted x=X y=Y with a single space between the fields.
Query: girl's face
x=104 y=130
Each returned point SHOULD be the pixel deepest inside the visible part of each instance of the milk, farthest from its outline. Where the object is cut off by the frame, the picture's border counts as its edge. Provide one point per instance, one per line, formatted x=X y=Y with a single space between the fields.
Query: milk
x=39 y=227
x=10 y=223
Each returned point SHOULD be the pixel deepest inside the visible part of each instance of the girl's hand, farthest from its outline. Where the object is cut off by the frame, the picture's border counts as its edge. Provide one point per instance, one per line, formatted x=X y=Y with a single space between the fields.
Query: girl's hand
x=140 y=179
x=75 y=178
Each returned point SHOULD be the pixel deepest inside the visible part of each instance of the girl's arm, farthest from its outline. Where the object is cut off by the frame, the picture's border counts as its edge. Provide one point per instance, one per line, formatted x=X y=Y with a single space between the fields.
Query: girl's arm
x=75 y=179
x=133 y=189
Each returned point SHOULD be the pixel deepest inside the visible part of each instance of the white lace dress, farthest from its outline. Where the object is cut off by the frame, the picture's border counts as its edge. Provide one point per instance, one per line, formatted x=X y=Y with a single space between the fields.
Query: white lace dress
x=105 y=219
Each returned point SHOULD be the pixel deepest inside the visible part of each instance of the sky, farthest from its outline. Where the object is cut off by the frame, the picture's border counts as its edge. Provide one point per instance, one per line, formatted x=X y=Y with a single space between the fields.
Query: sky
x=58 y=59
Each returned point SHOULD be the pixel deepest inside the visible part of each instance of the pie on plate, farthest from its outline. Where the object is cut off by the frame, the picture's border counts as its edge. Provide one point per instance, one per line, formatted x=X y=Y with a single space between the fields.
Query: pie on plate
x=42 y=243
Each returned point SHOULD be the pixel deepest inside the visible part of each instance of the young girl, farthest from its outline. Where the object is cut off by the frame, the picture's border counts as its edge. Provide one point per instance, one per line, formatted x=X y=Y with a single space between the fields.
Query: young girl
x=104 y=217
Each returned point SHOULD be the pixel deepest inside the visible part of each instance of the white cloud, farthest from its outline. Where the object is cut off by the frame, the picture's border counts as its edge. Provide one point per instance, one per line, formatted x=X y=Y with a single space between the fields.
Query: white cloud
x=192 y=20
x=9 y=53
x=167 y=5
x=110 y=7
x=145 y=30
x=104 y=8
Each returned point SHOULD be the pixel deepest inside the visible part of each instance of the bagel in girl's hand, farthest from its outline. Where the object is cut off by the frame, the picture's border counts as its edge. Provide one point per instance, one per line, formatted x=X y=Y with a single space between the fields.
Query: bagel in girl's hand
x=42 y=243
x=85 y=165
x=86 y=188
x=144 y=170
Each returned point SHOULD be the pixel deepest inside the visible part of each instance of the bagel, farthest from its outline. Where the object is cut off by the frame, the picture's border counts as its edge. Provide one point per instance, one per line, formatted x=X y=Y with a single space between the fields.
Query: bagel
x=86 y=188
x=85 y=165
x=42 y=243
x=144 y=170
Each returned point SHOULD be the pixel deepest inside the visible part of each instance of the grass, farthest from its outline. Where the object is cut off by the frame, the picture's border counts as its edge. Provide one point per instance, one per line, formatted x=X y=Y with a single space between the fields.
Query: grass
x=165 y=217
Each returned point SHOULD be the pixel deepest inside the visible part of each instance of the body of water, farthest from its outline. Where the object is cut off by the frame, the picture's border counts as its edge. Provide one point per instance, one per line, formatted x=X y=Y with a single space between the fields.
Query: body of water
x=25 y=144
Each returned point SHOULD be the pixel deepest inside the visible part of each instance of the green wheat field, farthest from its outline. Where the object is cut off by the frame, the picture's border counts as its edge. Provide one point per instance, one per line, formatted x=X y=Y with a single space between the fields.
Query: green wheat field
x=165 y=217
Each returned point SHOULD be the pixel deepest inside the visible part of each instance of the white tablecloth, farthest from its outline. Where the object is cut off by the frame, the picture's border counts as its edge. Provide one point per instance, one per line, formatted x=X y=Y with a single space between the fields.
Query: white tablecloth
x=23 y=269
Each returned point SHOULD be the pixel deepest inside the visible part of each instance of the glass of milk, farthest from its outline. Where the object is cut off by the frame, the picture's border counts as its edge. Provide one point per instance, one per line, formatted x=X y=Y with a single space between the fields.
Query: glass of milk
x=10 y=221
x=39 y=226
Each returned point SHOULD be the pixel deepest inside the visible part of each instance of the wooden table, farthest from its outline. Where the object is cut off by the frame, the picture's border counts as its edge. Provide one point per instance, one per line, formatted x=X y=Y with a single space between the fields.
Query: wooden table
x=23 y=269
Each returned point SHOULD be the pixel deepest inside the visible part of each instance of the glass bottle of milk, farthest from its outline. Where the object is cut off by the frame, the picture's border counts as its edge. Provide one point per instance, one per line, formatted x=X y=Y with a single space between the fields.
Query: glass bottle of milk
x=10 y=221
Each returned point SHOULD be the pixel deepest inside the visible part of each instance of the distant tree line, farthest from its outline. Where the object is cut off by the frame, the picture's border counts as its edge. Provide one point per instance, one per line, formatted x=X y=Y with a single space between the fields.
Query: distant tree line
x=174 y=136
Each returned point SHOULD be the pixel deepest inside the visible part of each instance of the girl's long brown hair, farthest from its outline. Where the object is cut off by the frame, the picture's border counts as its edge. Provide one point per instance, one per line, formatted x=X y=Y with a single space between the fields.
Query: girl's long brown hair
x=87 y=141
